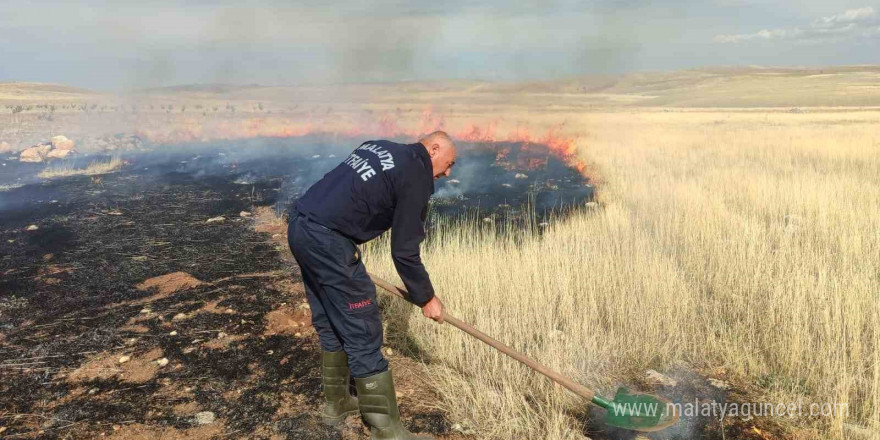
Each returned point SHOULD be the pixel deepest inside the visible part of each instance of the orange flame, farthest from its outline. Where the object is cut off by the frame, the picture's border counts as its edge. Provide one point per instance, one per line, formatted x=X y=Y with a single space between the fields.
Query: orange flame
x=532 y=154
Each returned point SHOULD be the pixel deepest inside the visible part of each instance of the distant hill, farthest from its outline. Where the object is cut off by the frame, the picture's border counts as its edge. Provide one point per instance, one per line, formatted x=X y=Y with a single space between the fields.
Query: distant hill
x=734 y=87
x=195 y=88
x=31 y=91
x=741 y=86
x=719 y=87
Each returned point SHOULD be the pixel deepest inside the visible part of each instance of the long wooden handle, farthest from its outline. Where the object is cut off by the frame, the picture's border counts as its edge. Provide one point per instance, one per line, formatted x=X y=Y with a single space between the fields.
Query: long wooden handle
x=467 y=328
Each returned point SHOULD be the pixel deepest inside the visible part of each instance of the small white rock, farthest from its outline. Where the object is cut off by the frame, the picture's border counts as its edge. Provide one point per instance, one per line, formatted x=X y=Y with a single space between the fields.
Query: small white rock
x=389 y=351
x=270 y=352
x=217 y=219
x=179 y=317
x=124 y=359
x=173 y=333
x=221 y=335
x=521 y=176
x=298 y=334
x=244 y=214
x=33 y=228
x=162 y=362
x=204 y=418
x=146 y=311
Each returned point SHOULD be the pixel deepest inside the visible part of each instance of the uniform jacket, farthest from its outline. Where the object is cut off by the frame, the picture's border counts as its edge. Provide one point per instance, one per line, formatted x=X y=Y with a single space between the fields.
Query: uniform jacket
x=380 y=185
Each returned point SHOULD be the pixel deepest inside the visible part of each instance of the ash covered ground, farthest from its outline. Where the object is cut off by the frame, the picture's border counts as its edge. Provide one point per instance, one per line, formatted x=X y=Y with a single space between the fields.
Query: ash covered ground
x=125 y=313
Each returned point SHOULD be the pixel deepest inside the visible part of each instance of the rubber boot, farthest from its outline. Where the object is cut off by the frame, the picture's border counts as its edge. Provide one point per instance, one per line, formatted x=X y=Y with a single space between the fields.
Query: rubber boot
x=334 y=380
x=379 y=408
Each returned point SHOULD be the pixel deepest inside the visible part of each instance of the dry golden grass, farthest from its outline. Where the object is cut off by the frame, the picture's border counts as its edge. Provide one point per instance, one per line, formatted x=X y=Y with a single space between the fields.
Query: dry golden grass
x=94 y=168
x=746 y=242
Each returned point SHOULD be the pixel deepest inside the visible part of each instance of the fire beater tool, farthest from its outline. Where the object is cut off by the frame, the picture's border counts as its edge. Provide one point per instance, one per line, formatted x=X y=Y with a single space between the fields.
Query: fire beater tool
x=634 y=411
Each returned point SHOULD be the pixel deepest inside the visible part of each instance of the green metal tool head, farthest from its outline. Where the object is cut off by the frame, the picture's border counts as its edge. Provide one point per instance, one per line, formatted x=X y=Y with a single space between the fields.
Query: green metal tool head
x=638 y=411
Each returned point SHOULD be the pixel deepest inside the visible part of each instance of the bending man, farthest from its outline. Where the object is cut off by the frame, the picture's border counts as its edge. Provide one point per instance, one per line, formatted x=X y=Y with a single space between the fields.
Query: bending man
x=380 y=185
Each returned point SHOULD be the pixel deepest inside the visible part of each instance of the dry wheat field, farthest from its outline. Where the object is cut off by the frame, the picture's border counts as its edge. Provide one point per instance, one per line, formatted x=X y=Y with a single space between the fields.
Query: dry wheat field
x=745 y=243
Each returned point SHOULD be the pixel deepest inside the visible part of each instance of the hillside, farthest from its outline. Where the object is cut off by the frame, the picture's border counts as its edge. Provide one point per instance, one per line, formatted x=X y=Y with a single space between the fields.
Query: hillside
x=31 y=92
x=734 y=87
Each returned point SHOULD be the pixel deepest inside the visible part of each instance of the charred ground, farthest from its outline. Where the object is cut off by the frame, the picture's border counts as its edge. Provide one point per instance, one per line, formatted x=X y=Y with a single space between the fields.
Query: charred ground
x=70 y=297
x=224 y=329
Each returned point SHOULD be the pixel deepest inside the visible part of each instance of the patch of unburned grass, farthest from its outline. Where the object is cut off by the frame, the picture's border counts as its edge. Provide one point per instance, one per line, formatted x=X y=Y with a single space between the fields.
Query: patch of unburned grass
x=95 y=168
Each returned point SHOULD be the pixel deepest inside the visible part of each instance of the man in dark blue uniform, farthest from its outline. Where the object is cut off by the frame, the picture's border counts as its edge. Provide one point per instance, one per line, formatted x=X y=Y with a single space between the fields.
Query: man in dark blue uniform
x=380 y=185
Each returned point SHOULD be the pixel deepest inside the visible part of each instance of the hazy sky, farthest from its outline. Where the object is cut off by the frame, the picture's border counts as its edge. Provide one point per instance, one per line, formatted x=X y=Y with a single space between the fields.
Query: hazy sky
x=119 y=44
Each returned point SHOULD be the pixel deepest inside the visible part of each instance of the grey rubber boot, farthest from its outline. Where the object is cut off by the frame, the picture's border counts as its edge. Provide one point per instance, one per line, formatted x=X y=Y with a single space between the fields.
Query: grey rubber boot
x=379 y=408
x=334 y=380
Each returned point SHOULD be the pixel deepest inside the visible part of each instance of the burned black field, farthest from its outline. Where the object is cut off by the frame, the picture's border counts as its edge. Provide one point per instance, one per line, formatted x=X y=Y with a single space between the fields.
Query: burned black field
x=125 y=312
x=69 y=293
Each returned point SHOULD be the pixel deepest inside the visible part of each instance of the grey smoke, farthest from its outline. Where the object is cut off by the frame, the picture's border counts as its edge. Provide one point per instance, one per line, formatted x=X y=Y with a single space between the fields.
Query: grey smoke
x=123 y=44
